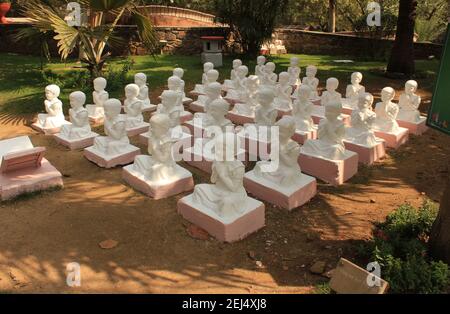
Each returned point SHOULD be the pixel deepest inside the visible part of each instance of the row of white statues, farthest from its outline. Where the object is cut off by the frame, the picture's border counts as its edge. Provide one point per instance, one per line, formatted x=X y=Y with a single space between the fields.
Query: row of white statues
x=262 y=96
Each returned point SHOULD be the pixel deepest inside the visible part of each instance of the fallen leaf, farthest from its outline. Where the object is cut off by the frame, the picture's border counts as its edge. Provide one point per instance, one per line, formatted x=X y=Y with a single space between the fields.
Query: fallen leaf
x=197 y=233
x=108 y=244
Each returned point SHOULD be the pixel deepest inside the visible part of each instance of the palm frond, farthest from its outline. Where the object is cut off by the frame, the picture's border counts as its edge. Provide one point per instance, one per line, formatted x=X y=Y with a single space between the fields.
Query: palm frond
x=145 y=30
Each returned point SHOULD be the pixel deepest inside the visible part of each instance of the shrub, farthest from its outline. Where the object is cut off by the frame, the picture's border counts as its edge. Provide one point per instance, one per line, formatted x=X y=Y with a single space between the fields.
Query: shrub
x=400 y=247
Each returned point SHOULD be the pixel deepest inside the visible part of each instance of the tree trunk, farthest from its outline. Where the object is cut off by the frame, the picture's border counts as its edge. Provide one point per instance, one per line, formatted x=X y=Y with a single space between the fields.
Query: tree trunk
x=402 y=55
x=332 y=16
x=440 y=233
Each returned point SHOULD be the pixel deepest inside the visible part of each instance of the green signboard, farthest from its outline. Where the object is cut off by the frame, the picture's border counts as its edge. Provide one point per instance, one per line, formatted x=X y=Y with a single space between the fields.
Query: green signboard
x=439 y=115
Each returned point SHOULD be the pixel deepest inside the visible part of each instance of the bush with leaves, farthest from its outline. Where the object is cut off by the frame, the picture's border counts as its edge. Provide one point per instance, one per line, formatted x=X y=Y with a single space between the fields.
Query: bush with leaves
x=400 y=247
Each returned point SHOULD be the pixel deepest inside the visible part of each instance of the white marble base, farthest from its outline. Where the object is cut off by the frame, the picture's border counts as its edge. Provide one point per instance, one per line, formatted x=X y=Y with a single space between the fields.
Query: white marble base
x=74 y=144
x=224 y=229
x=287 y=197
x=47 y=131
x=417 y=128
x=104 y=161
x=138 y=130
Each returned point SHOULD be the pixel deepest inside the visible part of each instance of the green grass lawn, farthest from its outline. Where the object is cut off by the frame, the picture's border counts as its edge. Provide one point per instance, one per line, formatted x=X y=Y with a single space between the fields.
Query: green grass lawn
x=22 y=81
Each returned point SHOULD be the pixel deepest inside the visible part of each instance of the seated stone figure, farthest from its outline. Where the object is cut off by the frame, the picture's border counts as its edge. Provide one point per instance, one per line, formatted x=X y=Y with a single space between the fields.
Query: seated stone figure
x=311 y=80
x=260 y=65
x=140 y=79
x=215 y=115
x=363 y=118
x=160 y=166
x=331 y=95
x=288 y=171
x=331 y=134
x=237 y=93
x=175 y=84
x=283 y=90
x=116 y=141
x=79 y=117
x=409 y=104
x=270 y=78
x=303 y=109
x=133 y=107
x=354 y=90
x=233 y=75
x=212 y=76
x=226 y=196
x=266 y=114
x=208 y=66
x=250 y=100
x=294 y=72
x=169 y=106
x=100 y=96
x=54 y=116
x=386 y=112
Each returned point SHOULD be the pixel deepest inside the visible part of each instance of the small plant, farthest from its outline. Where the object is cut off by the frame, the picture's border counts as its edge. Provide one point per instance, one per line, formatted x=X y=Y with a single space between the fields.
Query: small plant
x=323 y=288
x=117 y=79
x=400 y=247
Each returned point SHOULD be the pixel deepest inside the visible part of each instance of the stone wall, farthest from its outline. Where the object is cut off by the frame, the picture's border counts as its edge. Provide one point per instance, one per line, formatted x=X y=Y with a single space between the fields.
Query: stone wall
x=307 y=42
x=186 y=40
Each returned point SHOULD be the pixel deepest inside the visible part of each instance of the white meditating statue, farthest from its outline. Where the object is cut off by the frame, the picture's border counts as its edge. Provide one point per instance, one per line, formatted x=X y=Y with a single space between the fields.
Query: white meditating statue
x=160 y=167
x=294 y=72
x=179 y=72
x=362 y=132
x=354 y=90
x=238 y=91
x=133 y=107
x=54 y=116
x=260 y=65
x=331 y=95
x=100 y=96
x=387 y=112
x=331 y=134
x=409 y=104
x=226 y=196
x=175 y=84
x=208 y=66
x=312 y=81
x=212 y=76
x=170 y=106
x=233 y=75
x=303 y=109
x=283 y=92
x=140 y=79
x=116 y=141
x=288 y=171
x=266 y=113
x=250 y=100
x=270 y=78
x=79 y=117
x=215 y=114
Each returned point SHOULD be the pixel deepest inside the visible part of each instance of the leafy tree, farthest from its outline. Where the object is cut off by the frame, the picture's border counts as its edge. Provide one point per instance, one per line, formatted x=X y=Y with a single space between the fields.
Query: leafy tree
x=251 y=21
x=93 y=38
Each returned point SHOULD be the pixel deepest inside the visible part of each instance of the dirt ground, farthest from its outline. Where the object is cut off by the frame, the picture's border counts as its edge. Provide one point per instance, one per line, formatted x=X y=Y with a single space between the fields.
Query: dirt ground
x=155 y=254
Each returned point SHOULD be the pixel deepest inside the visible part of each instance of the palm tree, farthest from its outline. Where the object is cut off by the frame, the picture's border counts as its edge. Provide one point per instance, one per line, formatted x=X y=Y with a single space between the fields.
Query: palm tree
x=93 y=38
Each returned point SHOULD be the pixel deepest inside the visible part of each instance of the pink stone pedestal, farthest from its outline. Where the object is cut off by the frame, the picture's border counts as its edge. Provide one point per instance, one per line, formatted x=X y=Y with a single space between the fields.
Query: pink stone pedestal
x=301 y=137
x=334 y=172
x=76 y=144
x=51 y=131
x=162 y=190
x=240 y=119
x=149 y=108
x=252 y=220
x=110 y=162
x=394 y=140
x=186 y=116
x=232 y=101
x=288 y=198
x=139 y=130
x=415 y=128
x=27 y=180
x=368 y=155
x=317 y=101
